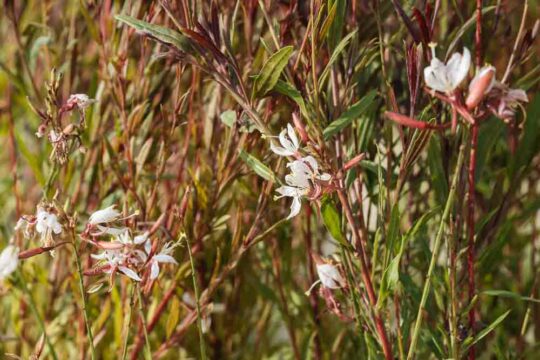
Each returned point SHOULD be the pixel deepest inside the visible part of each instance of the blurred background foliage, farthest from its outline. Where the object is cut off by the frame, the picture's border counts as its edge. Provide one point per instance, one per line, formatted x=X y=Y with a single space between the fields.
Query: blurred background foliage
x=157 y=135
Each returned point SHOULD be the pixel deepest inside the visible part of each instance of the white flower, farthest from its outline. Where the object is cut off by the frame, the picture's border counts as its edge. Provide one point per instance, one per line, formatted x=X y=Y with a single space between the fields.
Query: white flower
x=447 y=77
x=82 y=100
x=9 y=259
x=289 y=146
x=103 y=216
x=303 y=176
x=47 y=223
x=116 y=261
x=162 y=257
x=330 y=276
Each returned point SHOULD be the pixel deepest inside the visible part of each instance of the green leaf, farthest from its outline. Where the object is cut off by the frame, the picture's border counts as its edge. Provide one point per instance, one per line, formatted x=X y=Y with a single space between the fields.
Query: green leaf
x=160 y=33
x=509 y=295
x=289 y=90
x=482 y=334
x=529 y=144
x=257 y=166
x=332 y=220
x=335 y=54
x=228 y=118
x=348 y=116
x=271 y=71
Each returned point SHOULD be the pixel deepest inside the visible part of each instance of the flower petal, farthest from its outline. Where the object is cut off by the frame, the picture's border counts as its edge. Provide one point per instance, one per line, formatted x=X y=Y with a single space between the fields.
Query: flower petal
x=129 y=273
x=279 y=150
x=296 y=206
x=162 y=258
x=458 y=67
x=292 y=136
x=154 y=270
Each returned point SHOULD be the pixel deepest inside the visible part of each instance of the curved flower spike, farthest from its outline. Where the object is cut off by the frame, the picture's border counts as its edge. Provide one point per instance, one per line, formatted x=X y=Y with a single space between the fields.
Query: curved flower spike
x=289 y=143
x=447 y=77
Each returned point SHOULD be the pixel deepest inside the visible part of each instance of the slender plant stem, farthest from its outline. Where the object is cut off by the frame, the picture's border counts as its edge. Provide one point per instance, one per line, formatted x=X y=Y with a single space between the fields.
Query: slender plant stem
x=364 y=272
x=36 y=313
x=128 y=323
x=471 y=231
x=435 y=254
x=83 y=296
x=148 y=349
x=198 y=305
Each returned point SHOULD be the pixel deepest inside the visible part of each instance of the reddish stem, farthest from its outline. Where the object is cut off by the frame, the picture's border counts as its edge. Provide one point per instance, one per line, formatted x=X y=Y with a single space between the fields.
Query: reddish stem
x=364 y=269
x=471 y=231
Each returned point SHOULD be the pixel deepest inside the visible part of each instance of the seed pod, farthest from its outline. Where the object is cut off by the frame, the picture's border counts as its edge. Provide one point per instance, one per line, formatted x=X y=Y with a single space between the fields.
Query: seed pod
x=480 y=86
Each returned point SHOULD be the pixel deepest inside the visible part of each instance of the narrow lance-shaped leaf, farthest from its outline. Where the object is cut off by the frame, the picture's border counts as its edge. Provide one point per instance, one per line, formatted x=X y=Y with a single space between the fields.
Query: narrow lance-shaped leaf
x=332 y=221
x=257 y=166
x=160 y=33
x=482 y=334
x=271 y=71
x=348 y=116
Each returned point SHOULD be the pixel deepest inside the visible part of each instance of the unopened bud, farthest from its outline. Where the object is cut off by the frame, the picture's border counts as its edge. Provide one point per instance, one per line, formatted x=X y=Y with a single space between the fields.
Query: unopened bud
x=480 y=86
x=68 y=129
x=299 y=126
x=353 y=162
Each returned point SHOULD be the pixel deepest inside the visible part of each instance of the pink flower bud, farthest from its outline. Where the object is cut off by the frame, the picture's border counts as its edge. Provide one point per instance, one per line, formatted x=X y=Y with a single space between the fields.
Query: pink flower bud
x=299 y=126
x=480 y=86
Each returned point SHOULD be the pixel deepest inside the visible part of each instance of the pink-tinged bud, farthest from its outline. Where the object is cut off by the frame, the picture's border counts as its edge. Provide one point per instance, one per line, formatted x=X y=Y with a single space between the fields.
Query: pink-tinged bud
x=110 y=245
x=40 y=250
x=299 y=126
x=98 y=270
x=480 y=86
x=353 y=162
x=410 y=122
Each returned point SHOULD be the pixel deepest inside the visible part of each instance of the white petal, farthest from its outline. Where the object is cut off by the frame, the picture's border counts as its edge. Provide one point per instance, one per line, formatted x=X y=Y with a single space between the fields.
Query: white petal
x=313 y=165
x=330 y=276
x=9 y=260
x=104 y=216
x=298 y=180
x=41 y=228
x=287 y=191
x=57 y=228
x=324 y=177
x=162 y=258
x=286 y=143
x=139 y=239
x=101 y=256
x=296 y=206
x=129 y=273
x=458 y=67
x=111 y=230
x=279 y=150
x=154 y=270
x=435 y=77
x=292 y=136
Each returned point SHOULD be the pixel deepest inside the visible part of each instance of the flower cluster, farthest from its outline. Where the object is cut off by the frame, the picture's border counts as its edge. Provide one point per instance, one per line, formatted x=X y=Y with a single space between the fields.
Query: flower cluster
x=132 y=256
x=45 y=223
x=305 y=179
x=499 y=99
